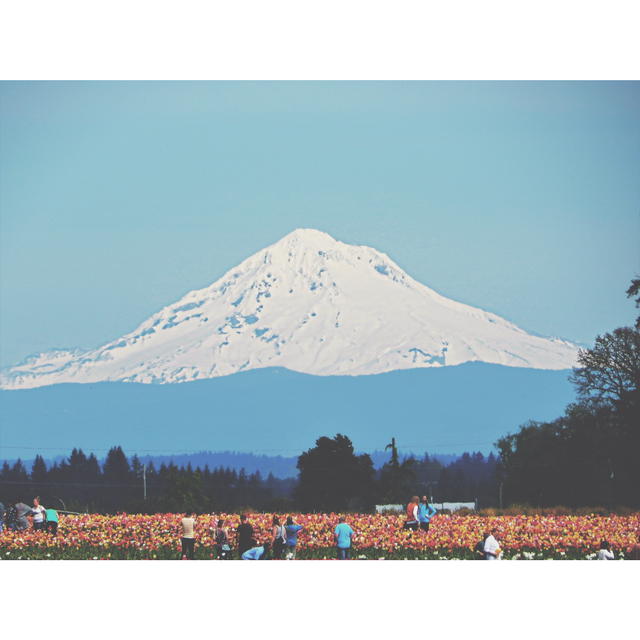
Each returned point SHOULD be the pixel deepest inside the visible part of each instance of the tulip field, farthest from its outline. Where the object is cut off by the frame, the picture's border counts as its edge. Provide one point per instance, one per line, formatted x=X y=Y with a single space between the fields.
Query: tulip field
x=140 y=537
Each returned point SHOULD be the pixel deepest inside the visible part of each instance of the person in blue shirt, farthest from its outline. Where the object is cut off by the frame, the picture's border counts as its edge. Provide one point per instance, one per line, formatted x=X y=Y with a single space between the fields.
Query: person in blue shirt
x=257 y=553
x=343 y=534
x=292 y=537
x=425 y=513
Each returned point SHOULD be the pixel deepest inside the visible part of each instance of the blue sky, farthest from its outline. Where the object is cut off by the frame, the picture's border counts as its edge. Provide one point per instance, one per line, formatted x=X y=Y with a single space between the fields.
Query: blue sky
x=117 y=198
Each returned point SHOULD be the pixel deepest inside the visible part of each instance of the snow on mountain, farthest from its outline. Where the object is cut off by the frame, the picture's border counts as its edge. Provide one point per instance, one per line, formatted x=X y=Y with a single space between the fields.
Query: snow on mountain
x=308 y=303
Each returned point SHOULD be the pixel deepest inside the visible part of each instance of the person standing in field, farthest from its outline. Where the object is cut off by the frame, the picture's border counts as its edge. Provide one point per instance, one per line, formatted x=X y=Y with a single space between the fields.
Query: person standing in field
x=425 y=513
x=605 y=553
x=492 y=549
x=222 y=541
x=245 y=535
x=279 y=538
x=188 y=536
x=292 y=530
x=343 y=535
x=51 y=521
x=38 y=512
x=412 y=514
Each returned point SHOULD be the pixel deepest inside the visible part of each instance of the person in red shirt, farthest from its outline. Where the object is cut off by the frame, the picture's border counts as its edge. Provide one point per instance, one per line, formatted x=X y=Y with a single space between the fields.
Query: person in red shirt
x=412 y=514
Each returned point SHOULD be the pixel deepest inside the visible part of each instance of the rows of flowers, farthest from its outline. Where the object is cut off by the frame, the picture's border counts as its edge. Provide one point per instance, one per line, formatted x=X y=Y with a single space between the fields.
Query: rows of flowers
x=129 y=536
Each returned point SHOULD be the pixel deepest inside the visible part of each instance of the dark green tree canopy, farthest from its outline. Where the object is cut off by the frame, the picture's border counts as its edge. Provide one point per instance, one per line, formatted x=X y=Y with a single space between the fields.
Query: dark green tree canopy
x=589 y=455
x=39 y=469
x=333 y=478
x=116 y=466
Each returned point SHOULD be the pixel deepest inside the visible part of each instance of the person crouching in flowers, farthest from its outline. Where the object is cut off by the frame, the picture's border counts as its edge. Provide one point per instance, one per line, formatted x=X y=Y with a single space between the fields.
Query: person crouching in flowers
x=605 y=553
x=51 y=524
x=492 y=549
x=412 y=515
x=188 y=536
x=257 y=553
x=425 y=513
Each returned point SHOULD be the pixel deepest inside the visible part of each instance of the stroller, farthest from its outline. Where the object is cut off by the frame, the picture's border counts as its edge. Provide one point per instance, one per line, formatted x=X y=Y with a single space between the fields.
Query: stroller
x=223 y=547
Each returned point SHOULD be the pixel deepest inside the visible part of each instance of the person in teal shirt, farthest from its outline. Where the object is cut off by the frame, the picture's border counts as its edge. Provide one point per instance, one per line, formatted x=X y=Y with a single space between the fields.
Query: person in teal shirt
x=51 y=518
x=343 y=534
x=425 y=513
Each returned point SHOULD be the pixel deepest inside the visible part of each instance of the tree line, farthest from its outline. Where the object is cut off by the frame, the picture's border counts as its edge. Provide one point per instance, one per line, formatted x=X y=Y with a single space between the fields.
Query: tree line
x=331 y=478
x=81 y=483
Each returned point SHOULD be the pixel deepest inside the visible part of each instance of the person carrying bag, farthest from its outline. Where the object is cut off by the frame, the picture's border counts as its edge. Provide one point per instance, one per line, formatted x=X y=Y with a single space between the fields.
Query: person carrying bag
x=279 y=538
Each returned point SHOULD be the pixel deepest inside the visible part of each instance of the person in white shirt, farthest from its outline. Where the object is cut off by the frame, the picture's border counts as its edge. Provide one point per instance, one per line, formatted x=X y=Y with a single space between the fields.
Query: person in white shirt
x=188 y=536
x=38 y=512
x=605 y=552
x=492 y=549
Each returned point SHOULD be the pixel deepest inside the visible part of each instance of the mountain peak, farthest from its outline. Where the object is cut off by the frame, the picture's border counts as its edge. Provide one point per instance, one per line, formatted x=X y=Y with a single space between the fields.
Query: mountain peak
x=309 y=303
x=306 y=239
x=307 y=236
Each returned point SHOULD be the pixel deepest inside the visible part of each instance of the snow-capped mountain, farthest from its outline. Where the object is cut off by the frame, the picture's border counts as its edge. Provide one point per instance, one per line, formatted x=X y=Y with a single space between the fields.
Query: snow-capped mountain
x=308 y=303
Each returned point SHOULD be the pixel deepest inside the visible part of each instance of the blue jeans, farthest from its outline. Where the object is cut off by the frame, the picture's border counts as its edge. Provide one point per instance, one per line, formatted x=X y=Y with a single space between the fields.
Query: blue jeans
x=343 y=554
